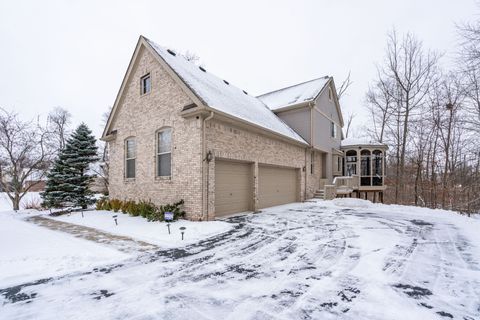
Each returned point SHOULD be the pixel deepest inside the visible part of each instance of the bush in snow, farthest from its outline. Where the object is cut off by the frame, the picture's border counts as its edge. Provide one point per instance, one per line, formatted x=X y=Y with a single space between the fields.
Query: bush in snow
x=145 y=209
x=116 y=204
x=176 y=208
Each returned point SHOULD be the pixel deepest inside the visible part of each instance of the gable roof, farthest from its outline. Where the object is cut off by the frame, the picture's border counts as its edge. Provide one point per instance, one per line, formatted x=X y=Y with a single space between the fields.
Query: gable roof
x=220 y=95
x=299 y=93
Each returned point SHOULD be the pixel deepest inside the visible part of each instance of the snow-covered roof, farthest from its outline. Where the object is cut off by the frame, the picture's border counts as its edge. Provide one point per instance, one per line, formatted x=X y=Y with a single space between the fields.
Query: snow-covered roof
x=223 y=96
x=360 y=141
x=302 y=92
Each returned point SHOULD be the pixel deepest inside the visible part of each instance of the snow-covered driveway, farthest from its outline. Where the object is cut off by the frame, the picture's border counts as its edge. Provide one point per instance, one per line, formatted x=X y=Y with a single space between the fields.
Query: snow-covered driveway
x=313 y=260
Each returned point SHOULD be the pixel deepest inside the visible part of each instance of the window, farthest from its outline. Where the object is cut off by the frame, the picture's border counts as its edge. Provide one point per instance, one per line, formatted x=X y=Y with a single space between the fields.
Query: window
x=164 y=153
x=339 y=164
x=351 y=162
x=330 y=94
x=333 y=130
x=130 y=156
x=365 y=168
x=145 y=84
x=377 y=164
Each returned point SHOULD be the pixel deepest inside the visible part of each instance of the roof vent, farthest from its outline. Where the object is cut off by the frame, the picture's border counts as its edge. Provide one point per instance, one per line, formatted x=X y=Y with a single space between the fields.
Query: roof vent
x=201 y=68
x=226 y=82
x=245 y=92
x=171 y=52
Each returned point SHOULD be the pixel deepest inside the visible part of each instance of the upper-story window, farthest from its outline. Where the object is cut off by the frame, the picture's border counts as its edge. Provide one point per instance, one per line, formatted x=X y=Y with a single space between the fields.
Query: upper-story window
x=164 y=153
x=333 y=129
x=130 y=156
x=145 y=84
x=330 y=94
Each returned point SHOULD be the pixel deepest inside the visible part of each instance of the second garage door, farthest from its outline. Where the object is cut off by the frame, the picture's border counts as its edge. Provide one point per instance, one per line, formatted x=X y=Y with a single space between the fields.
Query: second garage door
x=233 y=187
x=276 y=186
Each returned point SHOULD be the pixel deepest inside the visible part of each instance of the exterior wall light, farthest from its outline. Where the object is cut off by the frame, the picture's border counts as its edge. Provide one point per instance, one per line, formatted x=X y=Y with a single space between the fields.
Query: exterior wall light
x=209 y=156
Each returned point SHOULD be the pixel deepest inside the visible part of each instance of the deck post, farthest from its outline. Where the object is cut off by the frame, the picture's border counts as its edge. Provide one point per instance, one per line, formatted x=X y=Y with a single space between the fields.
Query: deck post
x=366 y=195
x=374 y=196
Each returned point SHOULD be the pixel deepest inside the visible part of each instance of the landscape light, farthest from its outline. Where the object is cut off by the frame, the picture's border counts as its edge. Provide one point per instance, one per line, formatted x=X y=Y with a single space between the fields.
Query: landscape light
x=182 y=229
x=115 y=218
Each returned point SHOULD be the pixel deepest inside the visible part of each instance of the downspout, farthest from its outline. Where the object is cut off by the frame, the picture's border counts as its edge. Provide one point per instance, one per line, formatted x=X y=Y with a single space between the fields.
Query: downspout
x=311 y=148
x=204 y=156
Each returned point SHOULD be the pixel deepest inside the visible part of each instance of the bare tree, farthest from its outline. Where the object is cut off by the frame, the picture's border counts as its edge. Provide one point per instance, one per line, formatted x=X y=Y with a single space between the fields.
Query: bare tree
x=350 y=118
x=470 y=43
x=58 y=121
x=101 y=169
x=24 y=154
x=344 y=86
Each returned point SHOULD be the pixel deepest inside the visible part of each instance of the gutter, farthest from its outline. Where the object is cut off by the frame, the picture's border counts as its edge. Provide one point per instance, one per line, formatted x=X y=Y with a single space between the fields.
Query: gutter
x=205 y=179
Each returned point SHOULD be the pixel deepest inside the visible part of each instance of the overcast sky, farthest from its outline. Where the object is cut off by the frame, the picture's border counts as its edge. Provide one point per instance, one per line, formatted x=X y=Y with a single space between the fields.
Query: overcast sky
x=74 y=54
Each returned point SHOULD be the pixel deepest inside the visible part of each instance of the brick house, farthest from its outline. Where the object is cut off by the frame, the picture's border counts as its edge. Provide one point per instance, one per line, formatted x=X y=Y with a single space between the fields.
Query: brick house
x=177 y=131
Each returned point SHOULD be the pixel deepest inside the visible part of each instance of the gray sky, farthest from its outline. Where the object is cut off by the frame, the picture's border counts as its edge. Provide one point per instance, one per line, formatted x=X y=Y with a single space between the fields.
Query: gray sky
x=74 y=54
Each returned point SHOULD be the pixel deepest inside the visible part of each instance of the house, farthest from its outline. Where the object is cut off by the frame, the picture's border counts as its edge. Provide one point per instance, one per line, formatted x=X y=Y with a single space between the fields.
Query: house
x=176 y=131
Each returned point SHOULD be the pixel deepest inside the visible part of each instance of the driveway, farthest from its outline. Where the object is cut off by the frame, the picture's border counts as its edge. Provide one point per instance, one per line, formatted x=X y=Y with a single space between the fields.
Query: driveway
x=314 y=260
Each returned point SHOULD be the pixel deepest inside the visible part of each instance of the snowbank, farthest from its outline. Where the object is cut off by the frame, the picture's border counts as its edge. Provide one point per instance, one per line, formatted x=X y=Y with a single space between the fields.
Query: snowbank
x=151 y=232
x=6 y=204
x=29 y=252
x=352 y=203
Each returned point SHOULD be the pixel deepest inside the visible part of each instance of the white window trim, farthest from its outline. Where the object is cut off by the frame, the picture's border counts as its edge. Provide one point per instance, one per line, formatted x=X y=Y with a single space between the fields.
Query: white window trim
x=158 y=153
x=147 y=75
x=133 y=158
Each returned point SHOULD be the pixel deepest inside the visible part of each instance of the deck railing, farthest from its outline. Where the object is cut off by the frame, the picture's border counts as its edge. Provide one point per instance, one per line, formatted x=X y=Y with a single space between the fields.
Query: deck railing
x=342 y=185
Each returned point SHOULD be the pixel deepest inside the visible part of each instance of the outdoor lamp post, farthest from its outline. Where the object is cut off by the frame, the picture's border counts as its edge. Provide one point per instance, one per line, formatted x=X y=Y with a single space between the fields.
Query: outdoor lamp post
x=182 y=229
x=115 y=218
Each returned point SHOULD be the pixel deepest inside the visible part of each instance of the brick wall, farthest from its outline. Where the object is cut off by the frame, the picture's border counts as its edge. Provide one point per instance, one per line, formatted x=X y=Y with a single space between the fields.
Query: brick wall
x=141 y=117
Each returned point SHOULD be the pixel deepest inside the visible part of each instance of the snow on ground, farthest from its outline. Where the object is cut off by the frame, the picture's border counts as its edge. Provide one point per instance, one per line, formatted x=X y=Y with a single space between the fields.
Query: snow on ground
x=152 y=232
x=29 y=252
x=315 y=260
x=30 y=197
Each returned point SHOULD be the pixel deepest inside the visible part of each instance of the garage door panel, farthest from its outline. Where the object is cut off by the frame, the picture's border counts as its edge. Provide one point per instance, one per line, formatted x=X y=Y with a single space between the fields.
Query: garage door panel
x=233 y=187
x=276 y=186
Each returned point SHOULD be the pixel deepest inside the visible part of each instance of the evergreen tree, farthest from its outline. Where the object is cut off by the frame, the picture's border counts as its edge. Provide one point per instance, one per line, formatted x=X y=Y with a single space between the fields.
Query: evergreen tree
x=69 y=180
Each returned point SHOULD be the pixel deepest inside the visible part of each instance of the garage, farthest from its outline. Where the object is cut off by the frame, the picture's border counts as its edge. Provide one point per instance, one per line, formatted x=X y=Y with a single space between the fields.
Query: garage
x=233 y=187
x=276 y=186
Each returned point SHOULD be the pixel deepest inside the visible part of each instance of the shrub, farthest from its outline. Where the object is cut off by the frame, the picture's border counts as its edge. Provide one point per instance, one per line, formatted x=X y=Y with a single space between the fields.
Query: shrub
x=146 y=209
x=32 y=204
x=116 y=204
x=176 y=208
x=102 y=203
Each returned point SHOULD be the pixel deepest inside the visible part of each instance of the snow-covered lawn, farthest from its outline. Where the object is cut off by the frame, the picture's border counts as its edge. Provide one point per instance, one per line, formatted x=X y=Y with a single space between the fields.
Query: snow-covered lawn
x=151 y=232
x=29 y=252
x=341 y=259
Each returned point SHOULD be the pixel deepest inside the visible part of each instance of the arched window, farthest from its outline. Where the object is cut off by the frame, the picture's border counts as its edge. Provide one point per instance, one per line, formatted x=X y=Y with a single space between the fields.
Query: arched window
x=164 y=152
x=377 y=167
x=365 y=168
x=130 y=157
x=351 y=163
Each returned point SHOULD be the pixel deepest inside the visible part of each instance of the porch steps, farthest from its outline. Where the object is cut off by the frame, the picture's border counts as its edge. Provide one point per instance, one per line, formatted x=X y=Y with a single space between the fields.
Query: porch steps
x=319 y=194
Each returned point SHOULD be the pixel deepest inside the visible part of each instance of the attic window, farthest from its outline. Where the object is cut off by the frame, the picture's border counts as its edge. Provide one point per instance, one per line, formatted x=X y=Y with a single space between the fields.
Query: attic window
x=201 y=68
x=171 y=52
x=226 y=82
x=330 y=94
x=145 y=84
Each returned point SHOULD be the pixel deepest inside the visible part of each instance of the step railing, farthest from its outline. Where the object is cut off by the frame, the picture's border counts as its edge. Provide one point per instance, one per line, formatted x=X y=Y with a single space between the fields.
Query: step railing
x=342 y=185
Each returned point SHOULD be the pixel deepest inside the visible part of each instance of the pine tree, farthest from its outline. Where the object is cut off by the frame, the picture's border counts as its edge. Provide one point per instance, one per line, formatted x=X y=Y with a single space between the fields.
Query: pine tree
x=69 y=180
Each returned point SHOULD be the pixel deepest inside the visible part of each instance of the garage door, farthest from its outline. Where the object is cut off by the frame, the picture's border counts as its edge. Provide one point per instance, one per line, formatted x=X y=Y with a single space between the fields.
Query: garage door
x=233 y=187
x=276 y=186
